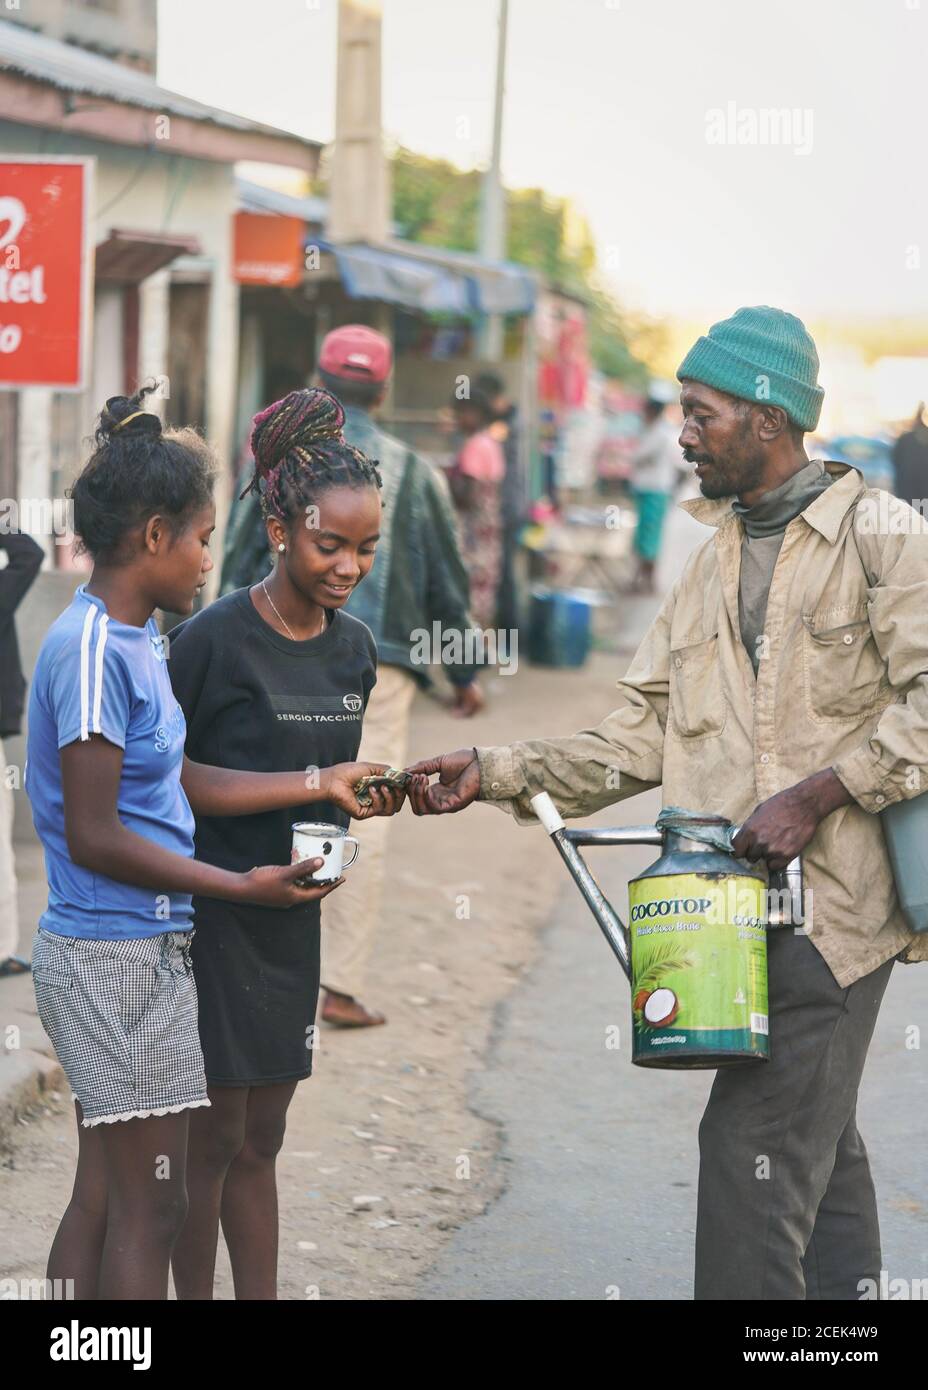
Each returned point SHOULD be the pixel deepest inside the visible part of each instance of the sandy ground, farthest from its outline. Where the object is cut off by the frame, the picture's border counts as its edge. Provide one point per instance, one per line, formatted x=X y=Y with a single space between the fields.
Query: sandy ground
x=387 y=1115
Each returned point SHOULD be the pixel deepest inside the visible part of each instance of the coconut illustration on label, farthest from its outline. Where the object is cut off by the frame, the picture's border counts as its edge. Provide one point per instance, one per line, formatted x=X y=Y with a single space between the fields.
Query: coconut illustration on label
x=661 y=1008
x=654 y=1005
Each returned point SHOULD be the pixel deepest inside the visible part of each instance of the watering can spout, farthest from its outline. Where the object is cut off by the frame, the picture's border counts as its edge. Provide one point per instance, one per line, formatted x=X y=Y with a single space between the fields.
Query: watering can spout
x=612 y=927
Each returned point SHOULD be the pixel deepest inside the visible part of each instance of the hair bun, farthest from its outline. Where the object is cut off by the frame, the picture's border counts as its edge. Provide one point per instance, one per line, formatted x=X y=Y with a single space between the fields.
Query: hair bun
x=125 y=415
x=300 y=420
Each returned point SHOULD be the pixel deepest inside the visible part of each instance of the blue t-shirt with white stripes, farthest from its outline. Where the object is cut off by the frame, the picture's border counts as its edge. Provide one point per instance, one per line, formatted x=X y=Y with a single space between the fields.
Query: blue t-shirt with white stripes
x=95 y=675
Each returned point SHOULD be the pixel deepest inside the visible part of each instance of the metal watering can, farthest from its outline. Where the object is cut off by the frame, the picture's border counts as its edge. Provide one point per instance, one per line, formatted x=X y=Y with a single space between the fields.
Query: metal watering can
x=695 y=950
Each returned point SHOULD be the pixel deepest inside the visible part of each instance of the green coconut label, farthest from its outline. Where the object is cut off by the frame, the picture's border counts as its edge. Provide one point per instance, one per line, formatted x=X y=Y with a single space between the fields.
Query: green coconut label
x=699 y=967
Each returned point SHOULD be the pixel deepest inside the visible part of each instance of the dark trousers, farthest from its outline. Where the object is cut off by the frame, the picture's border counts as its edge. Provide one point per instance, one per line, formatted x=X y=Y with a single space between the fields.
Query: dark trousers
x=508 y=597
x=786 y=1206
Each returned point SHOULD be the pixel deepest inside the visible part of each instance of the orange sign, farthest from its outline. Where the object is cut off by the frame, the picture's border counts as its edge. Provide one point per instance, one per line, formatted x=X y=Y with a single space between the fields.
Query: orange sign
x=44 y=273
x=268 y=249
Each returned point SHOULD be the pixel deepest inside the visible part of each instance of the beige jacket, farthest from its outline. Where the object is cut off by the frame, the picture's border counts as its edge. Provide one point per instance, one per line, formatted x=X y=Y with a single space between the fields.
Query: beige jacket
x=843 y=683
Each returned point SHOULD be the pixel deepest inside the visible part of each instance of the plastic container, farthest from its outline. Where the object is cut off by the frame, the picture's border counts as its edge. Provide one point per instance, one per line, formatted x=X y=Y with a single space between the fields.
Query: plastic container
x=905 y=827
x=560 y=627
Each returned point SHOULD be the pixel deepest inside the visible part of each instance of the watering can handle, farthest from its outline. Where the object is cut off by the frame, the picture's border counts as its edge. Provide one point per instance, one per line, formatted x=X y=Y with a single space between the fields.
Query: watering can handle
x=780 y=881
x=547 y=813
x=793 y=868
x=608 y=919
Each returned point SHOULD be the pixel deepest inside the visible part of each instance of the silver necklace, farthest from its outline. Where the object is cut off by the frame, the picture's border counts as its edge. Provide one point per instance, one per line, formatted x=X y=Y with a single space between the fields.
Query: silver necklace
x=283 y=619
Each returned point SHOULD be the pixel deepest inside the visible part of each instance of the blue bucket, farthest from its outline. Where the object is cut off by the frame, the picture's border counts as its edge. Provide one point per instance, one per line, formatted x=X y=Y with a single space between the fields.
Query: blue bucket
x=560 y=627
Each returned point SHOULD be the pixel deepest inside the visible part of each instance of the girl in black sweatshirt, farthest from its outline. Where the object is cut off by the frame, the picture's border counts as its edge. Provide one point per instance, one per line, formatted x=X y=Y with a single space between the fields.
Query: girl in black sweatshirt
x=272 y=677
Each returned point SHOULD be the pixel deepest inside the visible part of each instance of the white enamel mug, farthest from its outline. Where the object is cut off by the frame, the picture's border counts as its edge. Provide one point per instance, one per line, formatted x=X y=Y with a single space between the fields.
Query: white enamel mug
x=319 y=840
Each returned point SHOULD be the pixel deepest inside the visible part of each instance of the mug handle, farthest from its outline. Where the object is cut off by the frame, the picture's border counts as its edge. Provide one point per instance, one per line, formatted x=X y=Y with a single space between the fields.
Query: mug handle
x=350 y=840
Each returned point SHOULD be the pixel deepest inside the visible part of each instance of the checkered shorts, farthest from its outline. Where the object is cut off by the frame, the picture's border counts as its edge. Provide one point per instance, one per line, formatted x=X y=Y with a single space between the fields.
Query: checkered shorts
x=122 y=1018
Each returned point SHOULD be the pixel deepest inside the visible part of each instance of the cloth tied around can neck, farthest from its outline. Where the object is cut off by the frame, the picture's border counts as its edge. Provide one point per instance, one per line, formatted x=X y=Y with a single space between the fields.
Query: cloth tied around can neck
x=704 y=828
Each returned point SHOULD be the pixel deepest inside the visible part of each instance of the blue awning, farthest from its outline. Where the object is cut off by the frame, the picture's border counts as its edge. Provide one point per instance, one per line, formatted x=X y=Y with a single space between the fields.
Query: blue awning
x=431 y=279
x=369 y=273
x=495 y=287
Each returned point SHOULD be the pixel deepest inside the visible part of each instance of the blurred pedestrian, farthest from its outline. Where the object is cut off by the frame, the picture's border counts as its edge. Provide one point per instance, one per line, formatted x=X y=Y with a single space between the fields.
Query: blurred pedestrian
x=418 y=580
x=476 y=482
x=910 y=463
x=513 y=496
x=24 y=560
x=655 y=473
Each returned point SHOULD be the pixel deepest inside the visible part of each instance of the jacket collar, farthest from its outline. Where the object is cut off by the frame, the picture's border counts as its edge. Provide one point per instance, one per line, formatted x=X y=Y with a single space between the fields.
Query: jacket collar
x=825 y=514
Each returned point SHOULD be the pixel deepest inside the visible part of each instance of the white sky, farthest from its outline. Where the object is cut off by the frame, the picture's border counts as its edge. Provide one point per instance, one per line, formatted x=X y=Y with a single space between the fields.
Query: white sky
x=607 y=103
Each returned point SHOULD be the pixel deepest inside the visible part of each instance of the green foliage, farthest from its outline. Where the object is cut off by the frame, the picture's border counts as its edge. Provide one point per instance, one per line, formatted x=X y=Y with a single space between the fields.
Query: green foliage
x=435 y=203
x=609 y=342
x=439 y=205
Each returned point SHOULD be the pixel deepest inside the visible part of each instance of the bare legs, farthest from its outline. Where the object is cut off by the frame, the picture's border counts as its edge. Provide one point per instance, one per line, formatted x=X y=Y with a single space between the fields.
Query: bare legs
x=127 y=1207
x=644 y=581
x=78 y=1243
x=146 y=1204
x=125 y=1223
x=249 y=1198
x=232 y=1178
x=217 y=1134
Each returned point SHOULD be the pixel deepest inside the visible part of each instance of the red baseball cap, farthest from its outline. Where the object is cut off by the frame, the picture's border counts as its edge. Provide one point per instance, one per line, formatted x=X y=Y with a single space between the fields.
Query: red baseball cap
x=356 y=353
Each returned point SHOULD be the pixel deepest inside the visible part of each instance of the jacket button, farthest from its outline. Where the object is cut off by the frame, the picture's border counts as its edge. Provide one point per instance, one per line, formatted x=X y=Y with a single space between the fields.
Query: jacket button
x=847 y=639
x=880 y=799
x=765 y=757
x=678 y=662
x=494 y=786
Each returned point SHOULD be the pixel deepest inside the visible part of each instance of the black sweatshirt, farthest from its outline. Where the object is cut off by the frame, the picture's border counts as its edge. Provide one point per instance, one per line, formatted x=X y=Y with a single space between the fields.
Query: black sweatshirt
x=257 y=701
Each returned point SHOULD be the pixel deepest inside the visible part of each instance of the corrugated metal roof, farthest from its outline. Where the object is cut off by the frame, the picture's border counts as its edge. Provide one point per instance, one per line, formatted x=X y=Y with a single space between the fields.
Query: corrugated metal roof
x=254 y=197
x=69 y=68
x=407 y=272
x=398 y=274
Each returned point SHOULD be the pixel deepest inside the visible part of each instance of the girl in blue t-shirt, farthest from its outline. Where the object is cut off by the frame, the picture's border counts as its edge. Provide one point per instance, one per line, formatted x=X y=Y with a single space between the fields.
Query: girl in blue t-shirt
x=113 y=798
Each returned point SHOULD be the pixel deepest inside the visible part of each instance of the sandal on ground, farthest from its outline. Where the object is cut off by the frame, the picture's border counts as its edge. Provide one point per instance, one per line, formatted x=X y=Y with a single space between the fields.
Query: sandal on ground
x=347 y=1012
x=15 y=965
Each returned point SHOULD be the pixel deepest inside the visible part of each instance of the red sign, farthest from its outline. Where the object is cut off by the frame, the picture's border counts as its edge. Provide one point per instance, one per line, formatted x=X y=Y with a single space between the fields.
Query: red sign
x=44 y=273
x=268 y=249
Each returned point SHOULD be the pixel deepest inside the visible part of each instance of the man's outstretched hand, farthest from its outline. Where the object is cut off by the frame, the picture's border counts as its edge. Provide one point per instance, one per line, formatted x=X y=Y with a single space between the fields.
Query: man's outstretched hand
x=457 y=786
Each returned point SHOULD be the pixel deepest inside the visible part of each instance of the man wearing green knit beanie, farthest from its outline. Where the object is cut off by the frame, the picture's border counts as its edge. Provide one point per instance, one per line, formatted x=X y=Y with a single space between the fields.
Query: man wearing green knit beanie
x=783 y=685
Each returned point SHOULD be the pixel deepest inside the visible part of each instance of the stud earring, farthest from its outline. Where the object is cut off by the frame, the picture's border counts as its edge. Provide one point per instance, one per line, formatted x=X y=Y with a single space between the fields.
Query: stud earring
x=281 y=548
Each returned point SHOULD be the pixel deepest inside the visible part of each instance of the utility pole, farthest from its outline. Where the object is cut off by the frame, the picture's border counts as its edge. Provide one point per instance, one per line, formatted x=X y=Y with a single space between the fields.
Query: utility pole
x=492 y=203
x=359 y=196
x=359 y=188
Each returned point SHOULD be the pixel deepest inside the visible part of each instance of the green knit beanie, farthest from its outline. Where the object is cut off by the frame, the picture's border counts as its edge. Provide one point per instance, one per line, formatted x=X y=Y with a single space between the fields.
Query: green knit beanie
x=760 y=354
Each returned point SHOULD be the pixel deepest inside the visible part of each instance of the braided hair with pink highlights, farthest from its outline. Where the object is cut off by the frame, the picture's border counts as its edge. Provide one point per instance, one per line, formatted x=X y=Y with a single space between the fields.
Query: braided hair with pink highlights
x=299 y=451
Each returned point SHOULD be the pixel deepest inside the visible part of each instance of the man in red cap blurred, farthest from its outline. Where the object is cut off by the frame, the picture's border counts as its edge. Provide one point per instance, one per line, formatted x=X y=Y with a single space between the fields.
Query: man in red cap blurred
x=417 y=579
x=357 y=354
